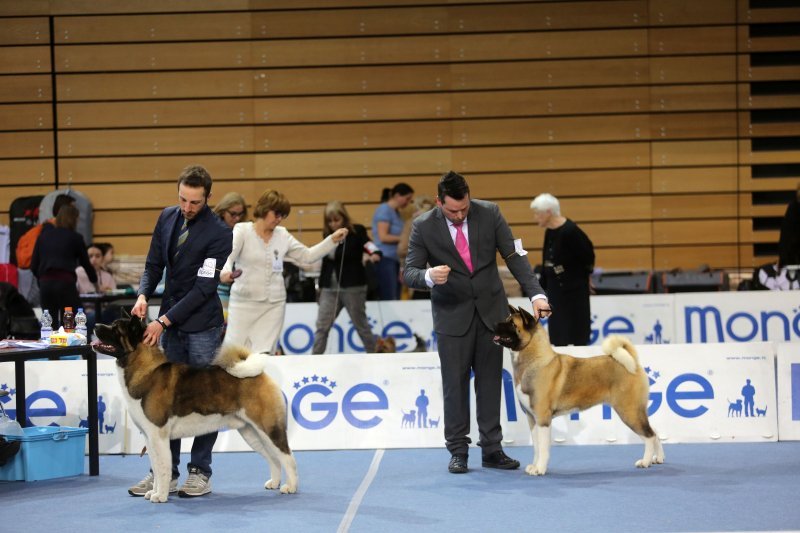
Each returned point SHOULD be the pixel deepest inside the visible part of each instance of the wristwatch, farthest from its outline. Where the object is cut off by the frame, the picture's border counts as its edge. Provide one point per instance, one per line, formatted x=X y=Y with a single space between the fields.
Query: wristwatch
x=163 y=324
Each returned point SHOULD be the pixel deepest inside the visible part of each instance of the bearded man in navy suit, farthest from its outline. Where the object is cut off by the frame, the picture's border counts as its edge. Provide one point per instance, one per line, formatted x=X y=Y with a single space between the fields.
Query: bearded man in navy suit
x=452 y=251
x=189 y=246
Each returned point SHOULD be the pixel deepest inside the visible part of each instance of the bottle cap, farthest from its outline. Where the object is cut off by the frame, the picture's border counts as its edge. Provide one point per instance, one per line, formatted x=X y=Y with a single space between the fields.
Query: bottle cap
x=68 y=309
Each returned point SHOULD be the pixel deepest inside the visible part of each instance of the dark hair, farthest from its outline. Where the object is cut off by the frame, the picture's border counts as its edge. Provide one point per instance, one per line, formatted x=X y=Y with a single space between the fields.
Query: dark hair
x=272 y=200
x=104 y=246
x=453 y=185
x=196 y=176
x=400 y=188
x=60 y=201
x=67 y=217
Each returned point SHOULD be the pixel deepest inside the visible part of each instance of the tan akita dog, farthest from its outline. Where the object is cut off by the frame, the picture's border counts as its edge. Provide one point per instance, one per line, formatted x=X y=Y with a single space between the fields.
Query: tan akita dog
x=550 y=384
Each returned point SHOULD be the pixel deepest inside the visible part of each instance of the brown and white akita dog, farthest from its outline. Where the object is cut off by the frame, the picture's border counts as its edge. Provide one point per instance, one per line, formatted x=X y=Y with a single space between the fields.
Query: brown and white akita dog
x=174 y=400
x=550 y=384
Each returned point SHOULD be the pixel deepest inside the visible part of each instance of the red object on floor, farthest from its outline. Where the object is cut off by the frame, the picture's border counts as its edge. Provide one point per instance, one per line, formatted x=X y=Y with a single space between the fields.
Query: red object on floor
x=8 y=273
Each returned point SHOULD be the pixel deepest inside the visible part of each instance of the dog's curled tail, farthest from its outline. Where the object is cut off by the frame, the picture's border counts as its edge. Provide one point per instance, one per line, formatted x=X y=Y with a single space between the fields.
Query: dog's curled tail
x=622 y=350
x=239 y=362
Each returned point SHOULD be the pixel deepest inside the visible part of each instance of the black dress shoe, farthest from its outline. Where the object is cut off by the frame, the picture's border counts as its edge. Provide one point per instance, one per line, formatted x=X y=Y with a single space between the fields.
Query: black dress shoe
x=500 y=460
x=458 y=464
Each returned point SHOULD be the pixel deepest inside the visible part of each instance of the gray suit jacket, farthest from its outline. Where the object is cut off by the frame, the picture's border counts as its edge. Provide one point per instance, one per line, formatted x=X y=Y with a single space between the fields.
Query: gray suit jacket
x=455 y=302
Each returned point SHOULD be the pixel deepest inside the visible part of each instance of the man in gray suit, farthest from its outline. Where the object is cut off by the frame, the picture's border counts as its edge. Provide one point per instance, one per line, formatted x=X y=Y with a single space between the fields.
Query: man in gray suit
x=452 y=251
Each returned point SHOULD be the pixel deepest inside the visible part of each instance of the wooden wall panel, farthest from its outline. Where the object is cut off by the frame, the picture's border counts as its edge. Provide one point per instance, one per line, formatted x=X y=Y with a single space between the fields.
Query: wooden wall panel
x=26 y=144
x=695 y=206
x=114 y=170
x=625 y=259
x=16 y=117
x=296 y=21
x=673 y=232
x=695 y=97
x=24 y=31
x=694 y=180
x=696 y=40
x=709 y=12
x=692 y=257
x=25 y=88
x=27 y=172
x=353 y=51
x=635 y=113
x=25 y=59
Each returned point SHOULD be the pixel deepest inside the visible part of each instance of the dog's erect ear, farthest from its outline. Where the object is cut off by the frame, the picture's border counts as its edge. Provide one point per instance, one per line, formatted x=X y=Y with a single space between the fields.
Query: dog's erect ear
x=512 y=310
x=135 y=328
x=528 y=319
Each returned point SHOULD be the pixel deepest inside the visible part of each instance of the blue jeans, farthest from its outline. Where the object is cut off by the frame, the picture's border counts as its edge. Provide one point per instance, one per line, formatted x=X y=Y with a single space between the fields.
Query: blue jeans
x=195 y=349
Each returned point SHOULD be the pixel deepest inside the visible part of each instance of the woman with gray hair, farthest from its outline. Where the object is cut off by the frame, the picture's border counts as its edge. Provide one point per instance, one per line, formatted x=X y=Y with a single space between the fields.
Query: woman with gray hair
x=567 y=264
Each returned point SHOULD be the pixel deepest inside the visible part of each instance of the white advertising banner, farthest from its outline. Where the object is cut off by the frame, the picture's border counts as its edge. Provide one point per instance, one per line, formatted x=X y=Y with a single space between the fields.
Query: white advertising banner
x=698 y=393
x=737 y=317
x=788 y=368
x=646 y=319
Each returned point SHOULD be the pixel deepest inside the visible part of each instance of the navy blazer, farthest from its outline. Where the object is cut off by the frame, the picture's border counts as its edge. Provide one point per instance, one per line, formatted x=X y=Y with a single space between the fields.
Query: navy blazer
x=190 y=299
x=454 y=303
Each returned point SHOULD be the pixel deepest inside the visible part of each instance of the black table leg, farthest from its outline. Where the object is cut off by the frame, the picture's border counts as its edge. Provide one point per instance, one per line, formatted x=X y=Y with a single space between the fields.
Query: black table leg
x=19 y=377
x=91 y=382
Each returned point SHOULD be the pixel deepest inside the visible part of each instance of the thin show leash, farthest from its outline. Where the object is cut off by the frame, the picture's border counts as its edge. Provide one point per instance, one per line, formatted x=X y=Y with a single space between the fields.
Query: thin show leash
x=339 y=288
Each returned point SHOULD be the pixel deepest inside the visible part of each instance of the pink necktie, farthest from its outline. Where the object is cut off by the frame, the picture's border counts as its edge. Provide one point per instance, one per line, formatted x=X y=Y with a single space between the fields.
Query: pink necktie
x=462 y=246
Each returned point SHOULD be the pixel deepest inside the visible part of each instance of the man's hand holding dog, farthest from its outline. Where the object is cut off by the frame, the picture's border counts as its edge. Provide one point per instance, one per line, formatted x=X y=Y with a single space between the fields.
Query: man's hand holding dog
x=154 y=329
x=439 y=274
x=541 y=308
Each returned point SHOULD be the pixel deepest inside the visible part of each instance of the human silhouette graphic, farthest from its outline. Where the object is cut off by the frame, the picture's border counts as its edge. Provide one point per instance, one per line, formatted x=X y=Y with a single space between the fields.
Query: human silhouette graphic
x=101 y=410
x=749 y=392
x=422 y=409
x=657 y=332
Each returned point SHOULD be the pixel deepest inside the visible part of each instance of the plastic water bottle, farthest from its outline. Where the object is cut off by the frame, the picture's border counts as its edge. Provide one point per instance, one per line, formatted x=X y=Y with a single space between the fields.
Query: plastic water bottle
x=47 y=326
x=68 y=320
x=80 y=322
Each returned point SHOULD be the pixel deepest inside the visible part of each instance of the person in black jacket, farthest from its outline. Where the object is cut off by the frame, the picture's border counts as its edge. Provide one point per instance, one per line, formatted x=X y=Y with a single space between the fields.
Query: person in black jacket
x=343 y=279
x=568 y=262
x=58 y=251
x=789 y=240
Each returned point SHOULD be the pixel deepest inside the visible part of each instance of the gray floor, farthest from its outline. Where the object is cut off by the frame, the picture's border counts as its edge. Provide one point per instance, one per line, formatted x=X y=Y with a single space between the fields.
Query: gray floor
x=701 y=487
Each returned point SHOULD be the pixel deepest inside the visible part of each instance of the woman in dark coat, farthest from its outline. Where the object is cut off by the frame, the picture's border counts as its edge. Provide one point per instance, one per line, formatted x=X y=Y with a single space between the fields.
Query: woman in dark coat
x=567 y=264
x=343 y=279
x=58 y=252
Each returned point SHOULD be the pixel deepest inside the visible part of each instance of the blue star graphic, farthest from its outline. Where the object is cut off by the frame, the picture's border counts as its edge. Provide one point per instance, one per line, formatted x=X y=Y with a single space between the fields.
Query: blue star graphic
x=296 y=384
x=333 y=384
x=324 y=379
x=647 y=369
x=656 y=375
x=315 y=378
x=305 y=380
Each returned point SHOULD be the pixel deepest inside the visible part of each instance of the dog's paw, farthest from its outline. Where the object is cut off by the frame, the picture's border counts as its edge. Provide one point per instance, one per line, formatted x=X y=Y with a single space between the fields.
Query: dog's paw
x=288 y=489
x=272 y=484
x=154 y=497
x=642 y=463
x=533 y=470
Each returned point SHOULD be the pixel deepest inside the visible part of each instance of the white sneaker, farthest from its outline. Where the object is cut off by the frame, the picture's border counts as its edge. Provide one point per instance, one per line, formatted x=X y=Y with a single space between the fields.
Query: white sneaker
x=145 y=485
x=197 y=484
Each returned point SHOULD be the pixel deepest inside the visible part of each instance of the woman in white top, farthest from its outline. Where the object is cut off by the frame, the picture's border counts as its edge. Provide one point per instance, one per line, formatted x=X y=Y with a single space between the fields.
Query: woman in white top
x=258 y=297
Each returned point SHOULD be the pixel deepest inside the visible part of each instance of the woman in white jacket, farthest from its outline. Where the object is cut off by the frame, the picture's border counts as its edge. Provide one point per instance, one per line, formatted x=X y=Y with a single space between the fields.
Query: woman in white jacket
x=258 y=297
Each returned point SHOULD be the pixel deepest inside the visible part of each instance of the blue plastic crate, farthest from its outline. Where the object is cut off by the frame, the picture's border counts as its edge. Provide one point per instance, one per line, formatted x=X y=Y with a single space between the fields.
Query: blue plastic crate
x=46 y=452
